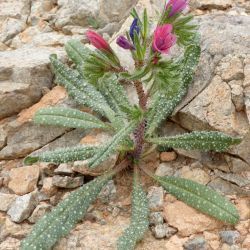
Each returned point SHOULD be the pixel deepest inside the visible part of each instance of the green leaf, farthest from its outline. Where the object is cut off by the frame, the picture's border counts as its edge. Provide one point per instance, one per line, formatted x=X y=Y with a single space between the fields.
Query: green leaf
x=198 y=140
x=77 y=52
x=105 y=151
x=82 y=92
x=64 y=217
x=137 y=75
x=139 y=221
x=200 y=197
x=63 y=155
x=67 y=117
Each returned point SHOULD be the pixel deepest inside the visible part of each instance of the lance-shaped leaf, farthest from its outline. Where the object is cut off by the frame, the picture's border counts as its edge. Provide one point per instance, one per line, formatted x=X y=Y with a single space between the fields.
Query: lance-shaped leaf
x=106 y=150
x=200 y=197
x=64 y=217
x=203 y=140
x=67 y=117
x=139 y=221
x=114 y=93
x=77 y=52
x=63 y=155
x=83 y=92
x=180 y=75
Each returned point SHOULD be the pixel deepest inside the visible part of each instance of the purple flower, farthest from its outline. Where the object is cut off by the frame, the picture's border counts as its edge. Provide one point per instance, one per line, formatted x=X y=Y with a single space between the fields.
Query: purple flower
x=163 y=39
x=134 y=28
x=177 y=6
x=123 y=42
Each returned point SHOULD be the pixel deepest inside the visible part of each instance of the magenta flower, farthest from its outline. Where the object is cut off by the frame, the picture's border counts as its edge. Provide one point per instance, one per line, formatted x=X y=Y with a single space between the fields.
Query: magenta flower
x=123 y=42
x=96 y=40
x=163 y=39
x=177 y=6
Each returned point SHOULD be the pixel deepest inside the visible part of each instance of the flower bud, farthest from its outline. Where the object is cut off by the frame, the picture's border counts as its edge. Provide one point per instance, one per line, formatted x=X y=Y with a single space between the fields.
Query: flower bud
x=177 y=6
x=134 y=28
x=97 y=41
x=163 y=39
x=123 y=42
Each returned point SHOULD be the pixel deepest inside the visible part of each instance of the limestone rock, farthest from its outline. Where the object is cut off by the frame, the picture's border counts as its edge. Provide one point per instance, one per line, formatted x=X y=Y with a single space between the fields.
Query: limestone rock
x=67 y=181
x=24 y=74
x=23 y=180
x=155 y=198
x=22 y=207
x=39 y=211
x=187 y=220
x=6 y=200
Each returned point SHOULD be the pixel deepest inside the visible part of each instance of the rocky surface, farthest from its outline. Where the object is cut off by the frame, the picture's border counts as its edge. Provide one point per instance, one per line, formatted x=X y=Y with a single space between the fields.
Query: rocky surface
x=219 y=99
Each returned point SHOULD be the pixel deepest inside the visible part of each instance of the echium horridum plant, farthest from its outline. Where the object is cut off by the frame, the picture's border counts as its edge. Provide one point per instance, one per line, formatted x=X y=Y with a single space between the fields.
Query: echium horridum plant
x=97 y=81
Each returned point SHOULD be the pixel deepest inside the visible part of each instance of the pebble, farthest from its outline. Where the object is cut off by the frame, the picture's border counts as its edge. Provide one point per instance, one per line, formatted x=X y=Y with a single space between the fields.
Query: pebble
x=108 y=193
x=67 y=181
x=155 y=198
x=230 y=237
x=198 y=243
x=168 y=156
x=156 y=218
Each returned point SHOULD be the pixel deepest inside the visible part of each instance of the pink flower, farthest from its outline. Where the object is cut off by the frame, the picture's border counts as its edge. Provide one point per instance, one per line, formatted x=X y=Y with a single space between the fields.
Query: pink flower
x=177 y=6
x=163 y=39
x=97 y=41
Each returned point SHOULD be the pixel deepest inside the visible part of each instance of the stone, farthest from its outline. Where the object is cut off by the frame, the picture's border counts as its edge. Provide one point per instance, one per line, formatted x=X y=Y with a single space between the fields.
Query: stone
x=10 y=243
x=213 y=240
x=155 y=198
x=108 y=192
x=156 y=218
x=6 y=200
x=25 y=73
x=195 y=174
x=246 y=242
x=230 y=237
x=14 y=230
x=64 y=168
x=168 y=156
x=159 y=231
x=164 y=169
x=22 y=207
x=23 y=180
x=212 y=4
x=67 y=181
x=187 y=220
x=39 y=211
x=175 y=243
x=198 y=243
x=237 y=165
x=48 y=188
x=243 y=227
x=243 y=206
x=237 y=92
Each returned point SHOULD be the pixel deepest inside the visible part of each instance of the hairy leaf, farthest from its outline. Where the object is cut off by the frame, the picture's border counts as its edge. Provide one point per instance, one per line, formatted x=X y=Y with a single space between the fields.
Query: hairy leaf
x=83 y=92
x=171 y=85
x=63 y=155
x=67 y=117
x=105 y=151
x=200 y=197
x=139 y=221
x=198 y=140
x=64 y=217
x=77 y=52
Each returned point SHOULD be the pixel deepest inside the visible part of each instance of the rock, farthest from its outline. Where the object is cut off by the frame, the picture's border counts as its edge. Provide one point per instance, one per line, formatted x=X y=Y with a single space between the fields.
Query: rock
x=187 y=220
x=155 y=198
x=163 y=231
x=237 y=92
x=198 y=243
x=168 y=156
x=6 y=200
x=156 y=218
x=165 y=169
x=39 y=211
x=67 y=181
x=237 y=165
x=243 y=206
x=226 y=187
x=230 y=237
x=81 y=12
x=243 y=227
x=212 y=239
x=196 y=174
x=175 y=243
x=23 y=180
x=10 y=243
x=108 y=193
x=48 y=187
x=22 y=207
x=246 y=242
x=212 y=4
x=64 y=168
x=14 y=230
x=25 y=73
